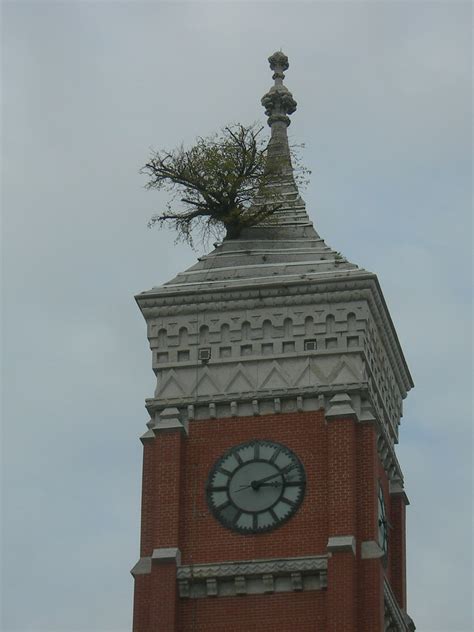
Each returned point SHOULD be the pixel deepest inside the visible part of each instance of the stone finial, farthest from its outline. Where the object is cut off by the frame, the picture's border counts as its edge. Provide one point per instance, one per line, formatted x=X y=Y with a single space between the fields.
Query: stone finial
x=278 y=101
x=279 y=63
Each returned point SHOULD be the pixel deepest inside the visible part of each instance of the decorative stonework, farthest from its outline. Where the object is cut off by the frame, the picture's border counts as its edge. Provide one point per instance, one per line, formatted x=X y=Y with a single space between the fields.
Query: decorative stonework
x=253 y=577
x=278 y=101
x=159 y=307
x=258 y=378
x=395 y=619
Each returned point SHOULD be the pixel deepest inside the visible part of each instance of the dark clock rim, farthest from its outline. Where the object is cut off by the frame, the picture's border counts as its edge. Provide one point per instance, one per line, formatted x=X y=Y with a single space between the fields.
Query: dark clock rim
x=250 y=530
x=382 y=515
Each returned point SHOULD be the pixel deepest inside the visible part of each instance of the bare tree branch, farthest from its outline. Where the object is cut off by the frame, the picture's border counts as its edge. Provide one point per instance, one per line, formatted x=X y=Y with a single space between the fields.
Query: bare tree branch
x=214 y=184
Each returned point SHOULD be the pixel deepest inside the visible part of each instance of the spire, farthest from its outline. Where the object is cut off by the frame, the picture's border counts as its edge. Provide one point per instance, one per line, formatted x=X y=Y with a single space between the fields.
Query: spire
x=281 y=187
x=279 y=103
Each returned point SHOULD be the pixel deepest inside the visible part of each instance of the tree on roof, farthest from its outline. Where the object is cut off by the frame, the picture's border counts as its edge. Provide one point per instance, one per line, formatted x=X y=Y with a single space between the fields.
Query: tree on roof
x=214 y=185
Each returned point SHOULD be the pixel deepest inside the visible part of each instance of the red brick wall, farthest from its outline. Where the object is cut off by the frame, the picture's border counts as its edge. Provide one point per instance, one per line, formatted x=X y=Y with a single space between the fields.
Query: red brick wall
x=397 y=548
x=203 y=539
x=369 y=571
x=285 y=612
x=342 y=469
x=161 y=481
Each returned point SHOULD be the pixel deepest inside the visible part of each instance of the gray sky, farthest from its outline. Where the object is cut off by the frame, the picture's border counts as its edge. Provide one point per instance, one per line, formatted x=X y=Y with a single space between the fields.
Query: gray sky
x=383 y=92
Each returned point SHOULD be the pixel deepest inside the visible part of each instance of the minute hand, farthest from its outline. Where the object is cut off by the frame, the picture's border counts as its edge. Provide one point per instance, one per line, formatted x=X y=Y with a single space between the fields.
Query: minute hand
x=285 y=470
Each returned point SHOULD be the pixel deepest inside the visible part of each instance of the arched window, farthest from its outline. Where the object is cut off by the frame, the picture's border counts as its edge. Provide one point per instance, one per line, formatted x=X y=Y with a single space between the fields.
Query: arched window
x=183 y=337
x=203 y=334
x=246 y=330
x=267 y=329
x=351 y=322
x=287 y=328
x=162 y=338
x=225 y=333
x=330 y=324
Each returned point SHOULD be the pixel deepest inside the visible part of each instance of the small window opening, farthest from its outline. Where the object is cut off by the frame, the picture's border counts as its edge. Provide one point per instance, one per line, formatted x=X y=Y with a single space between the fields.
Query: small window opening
x=204 y=354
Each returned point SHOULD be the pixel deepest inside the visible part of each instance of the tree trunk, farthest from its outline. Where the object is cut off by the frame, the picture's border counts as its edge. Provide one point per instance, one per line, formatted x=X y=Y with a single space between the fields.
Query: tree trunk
x=233 y=230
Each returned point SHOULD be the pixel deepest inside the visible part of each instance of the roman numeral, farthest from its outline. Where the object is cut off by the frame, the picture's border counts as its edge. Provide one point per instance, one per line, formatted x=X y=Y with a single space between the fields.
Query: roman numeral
x=223 y=470
x=275 y=455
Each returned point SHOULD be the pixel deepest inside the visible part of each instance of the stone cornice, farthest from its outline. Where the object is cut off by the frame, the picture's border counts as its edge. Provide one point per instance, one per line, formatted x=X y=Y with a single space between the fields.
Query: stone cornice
x=364 y=286
x=253 y=567
x=164 y=296
x=155 y=404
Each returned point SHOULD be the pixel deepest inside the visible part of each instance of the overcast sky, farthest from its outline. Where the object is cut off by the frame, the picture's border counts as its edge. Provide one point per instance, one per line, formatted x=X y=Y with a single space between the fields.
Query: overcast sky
x=383 y=92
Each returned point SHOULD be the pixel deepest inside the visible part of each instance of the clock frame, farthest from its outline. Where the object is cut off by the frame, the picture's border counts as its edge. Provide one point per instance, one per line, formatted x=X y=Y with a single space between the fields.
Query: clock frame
x=256 y=486
x=382 y=522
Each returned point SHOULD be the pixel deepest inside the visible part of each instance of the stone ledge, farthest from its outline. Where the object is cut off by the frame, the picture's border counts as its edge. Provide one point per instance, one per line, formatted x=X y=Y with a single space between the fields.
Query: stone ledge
x=142 y=567
x=340 y=406
x=287 y=400
x=396 y=489
x=159 y=556
x=370 y=550
x=252 y=577
x=165 y=555
x=169 y=419
x=342 y=543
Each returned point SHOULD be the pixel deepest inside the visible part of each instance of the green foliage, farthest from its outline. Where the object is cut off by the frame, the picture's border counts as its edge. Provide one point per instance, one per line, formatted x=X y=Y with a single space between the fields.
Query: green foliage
x=214 y=184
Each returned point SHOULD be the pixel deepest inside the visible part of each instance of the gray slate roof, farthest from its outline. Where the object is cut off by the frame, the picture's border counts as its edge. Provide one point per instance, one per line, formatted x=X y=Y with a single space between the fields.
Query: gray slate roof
x=289 y=251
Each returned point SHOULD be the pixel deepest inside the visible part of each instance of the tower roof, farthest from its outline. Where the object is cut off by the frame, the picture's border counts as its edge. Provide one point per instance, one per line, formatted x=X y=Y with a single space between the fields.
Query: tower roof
x=286 y=249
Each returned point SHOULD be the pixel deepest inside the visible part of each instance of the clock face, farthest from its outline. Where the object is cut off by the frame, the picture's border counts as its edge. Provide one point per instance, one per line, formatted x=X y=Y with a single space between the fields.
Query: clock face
x=256 y=486
x=382 y=522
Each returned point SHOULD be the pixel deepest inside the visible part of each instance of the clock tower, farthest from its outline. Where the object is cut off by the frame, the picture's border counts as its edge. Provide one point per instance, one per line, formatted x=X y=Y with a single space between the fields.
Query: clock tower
x=272 y=498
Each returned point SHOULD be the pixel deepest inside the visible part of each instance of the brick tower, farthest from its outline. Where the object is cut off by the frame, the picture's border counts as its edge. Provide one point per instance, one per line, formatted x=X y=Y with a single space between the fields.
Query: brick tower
x=272 y=497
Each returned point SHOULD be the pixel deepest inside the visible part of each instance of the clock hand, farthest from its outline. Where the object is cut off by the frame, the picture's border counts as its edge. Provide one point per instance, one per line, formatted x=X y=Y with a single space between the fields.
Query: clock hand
x=256 y=484
x=285 y=470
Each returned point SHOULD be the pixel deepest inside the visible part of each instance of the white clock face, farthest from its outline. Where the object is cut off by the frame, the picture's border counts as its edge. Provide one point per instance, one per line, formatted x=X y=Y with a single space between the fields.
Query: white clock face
x=256 y=486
